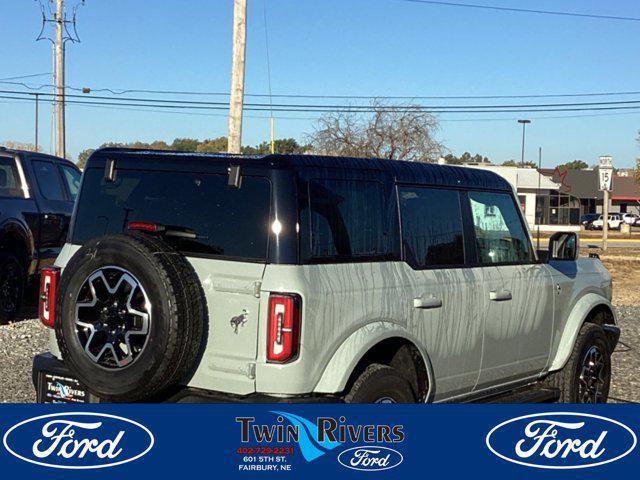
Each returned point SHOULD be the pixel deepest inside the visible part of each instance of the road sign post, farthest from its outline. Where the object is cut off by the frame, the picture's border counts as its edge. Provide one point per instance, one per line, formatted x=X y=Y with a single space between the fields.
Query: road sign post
x=605 y=174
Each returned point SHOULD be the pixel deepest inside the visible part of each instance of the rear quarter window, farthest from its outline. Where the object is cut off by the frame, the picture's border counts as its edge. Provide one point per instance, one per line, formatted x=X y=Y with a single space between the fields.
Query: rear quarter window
x=227 y=222
x=349 y=220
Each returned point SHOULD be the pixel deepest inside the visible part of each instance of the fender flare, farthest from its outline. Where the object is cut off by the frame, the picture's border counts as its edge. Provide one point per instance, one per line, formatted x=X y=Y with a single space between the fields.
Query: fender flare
x=13 y=226
x=338 y=370
x=577 y=317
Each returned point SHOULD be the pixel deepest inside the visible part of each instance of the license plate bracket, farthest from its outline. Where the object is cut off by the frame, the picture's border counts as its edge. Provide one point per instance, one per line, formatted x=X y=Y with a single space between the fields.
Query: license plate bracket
x=56 y=388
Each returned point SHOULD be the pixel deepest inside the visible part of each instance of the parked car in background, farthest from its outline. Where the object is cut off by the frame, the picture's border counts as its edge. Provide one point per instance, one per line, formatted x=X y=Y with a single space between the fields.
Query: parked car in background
x=210 y=278
x=37 y=193
x=615 y=222
x=630 y=218
x=587 y=220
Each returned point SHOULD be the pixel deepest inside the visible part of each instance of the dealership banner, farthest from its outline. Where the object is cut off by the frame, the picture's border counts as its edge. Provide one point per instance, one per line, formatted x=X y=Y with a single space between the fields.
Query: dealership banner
x=317 y=441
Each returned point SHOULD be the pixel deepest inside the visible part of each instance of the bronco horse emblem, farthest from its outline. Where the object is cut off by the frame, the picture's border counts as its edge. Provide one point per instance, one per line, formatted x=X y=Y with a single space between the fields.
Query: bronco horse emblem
x=239 y=321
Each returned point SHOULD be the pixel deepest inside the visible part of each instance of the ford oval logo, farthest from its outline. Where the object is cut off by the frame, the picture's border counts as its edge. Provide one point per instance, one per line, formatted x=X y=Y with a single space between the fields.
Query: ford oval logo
x=370 y=458
x=78 y=440
x=561 y=440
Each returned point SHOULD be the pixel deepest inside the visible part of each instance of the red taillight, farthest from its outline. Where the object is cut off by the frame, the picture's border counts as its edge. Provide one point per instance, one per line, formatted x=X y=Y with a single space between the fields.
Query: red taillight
x=145 y=227
x=48 y=284
x=284 y=327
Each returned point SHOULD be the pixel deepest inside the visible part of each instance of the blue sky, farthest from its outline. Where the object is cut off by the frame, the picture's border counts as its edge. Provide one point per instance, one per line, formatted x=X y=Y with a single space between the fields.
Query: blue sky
x=347 y=47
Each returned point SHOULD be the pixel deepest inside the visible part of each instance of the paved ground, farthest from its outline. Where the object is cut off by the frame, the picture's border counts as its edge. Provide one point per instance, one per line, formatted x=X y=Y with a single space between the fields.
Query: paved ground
x=19 y=342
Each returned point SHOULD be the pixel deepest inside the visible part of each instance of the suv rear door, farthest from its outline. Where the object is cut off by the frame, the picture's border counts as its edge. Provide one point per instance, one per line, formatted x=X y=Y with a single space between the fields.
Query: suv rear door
x=446 y=314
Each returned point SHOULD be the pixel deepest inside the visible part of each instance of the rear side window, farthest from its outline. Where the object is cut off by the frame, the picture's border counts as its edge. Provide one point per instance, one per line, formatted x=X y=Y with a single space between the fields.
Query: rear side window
x=9 y=179
x=432 y=233
x=72 y=179
x=221 y=221
x=500 y=234
x=351 y=220
x=48 y=180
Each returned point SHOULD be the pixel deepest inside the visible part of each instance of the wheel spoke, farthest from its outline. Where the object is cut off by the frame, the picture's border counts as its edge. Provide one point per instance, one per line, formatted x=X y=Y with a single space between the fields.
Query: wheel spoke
x=112 y=309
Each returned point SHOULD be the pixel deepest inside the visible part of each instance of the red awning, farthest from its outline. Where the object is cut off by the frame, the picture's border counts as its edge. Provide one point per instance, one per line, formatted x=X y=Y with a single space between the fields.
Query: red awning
x=629 y=199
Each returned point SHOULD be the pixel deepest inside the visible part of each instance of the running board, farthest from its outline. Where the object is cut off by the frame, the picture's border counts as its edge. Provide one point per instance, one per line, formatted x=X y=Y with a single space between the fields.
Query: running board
x=529 y=395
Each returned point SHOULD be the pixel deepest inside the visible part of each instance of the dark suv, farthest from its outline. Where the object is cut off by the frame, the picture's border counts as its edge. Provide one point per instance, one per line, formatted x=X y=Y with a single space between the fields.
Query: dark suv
x=37 y=193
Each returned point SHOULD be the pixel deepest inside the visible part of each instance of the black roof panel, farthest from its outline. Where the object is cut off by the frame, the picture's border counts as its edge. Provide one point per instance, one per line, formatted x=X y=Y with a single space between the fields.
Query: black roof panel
x=308 y=165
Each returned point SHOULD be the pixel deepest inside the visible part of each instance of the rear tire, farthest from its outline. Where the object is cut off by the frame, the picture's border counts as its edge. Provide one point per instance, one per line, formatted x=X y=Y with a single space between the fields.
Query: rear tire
x=586 y=377
x=12 y=283
x=100 y=332
x=380 y=384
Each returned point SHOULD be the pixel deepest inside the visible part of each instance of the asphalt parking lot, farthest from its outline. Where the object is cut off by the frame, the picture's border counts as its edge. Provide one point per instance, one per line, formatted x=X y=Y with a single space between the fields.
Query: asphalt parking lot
x=20 y=341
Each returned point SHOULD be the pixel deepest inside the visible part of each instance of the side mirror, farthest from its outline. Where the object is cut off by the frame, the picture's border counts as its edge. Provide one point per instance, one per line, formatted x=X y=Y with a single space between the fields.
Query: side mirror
x=563 y=246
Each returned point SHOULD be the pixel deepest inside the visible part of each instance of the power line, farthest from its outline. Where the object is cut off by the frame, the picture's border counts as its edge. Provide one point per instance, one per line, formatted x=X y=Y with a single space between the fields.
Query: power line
x=171 y=103
x=525 y=10
x=20 y=77
x=115 y=91
x=148 y=109
x=594 y=106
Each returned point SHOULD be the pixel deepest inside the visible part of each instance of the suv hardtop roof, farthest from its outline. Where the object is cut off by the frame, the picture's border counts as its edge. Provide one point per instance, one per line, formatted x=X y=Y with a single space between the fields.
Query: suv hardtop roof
x=309 y=165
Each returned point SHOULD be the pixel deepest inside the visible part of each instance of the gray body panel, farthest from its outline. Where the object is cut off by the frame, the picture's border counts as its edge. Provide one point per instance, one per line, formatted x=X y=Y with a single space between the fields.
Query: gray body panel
x=470 y=343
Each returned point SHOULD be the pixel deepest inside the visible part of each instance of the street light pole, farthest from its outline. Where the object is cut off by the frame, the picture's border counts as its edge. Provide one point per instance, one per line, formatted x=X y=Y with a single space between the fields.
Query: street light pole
x=524 y=126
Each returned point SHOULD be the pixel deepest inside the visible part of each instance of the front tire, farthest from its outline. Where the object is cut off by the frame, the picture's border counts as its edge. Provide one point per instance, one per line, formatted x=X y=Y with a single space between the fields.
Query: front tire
x=586 y=378
x=380 y=384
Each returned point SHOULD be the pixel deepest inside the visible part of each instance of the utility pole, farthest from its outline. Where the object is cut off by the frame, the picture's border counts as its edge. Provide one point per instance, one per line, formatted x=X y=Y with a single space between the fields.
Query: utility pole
x=237 y=75
x=64 y=29
x=59 y=79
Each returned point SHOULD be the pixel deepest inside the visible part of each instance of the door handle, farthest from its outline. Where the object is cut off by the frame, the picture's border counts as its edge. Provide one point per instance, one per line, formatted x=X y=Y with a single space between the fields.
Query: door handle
x=427 y=301
x=500 y=295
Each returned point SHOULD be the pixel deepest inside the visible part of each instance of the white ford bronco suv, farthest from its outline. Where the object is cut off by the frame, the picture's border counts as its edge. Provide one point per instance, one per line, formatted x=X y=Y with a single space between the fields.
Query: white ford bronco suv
x=215 y=278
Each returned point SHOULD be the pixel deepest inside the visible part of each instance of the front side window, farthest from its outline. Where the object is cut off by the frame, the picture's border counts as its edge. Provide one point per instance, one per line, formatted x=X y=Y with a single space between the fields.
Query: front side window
x=9 y=179
x=432 y=233
x=350 y=219
x=500 y=234
x=48 y=180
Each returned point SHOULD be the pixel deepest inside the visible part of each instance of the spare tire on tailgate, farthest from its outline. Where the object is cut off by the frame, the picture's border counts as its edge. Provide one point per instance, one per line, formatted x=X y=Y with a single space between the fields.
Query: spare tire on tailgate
x=131 y=315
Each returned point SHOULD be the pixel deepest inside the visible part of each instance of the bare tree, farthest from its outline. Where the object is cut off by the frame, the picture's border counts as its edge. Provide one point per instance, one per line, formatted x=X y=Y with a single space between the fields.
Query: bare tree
x=19 y=145
x=393 y=132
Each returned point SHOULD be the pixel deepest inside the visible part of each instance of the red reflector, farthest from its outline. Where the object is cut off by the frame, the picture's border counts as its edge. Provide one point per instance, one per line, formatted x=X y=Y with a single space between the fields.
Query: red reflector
x=47 y=304
x=284 y=328
x=145 y=227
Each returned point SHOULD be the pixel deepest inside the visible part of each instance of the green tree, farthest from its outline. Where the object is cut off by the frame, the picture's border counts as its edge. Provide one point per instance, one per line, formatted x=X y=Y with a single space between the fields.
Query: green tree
x=575 y=165
x=185 y=144
x=83 y=156
x=465 y=158
x=286 y=146
x=213 y=145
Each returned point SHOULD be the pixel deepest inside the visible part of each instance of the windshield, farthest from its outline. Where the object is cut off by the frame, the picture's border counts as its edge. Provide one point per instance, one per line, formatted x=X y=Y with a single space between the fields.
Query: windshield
x=226 y=222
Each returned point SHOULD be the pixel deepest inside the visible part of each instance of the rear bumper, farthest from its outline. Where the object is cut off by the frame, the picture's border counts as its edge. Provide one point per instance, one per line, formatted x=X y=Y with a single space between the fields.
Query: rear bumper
x=47 y=363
